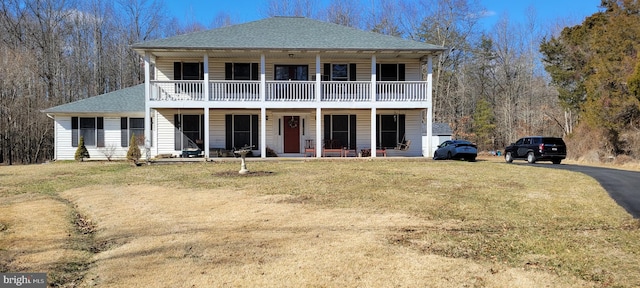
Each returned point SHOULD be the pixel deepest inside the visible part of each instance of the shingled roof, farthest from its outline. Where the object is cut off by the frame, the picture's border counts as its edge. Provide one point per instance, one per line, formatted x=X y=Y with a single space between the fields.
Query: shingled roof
x=287 y=33
x=441 y=129
x=125 y=100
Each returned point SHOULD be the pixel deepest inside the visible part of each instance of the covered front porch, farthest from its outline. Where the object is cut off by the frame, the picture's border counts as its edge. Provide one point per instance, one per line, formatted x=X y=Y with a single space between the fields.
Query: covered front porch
x=328 y=132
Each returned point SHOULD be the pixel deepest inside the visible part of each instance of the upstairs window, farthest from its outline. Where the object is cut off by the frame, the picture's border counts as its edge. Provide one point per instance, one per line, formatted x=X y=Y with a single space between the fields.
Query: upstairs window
x=390 y=72
x=339 y=72
x=241 y=71
x=188 y=70
x=291 y=72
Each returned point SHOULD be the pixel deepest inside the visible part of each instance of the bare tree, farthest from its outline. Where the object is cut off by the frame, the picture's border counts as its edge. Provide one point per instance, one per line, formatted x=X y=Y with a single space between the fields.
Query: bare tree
x=142 y=21
x=452 y=24
x=222 y=19
x=56 y=51
x=384 y=17
x=300 y=8
x=343 y=12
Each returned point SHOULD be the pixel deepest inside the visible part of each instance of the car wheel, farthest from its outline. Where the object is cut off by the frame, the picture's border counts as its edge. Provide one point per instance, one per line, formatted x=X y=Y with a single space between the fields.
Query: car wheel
x=531 y=158
x=556 y=161
x=435 y=156
x=449 y=155
x=508 y=158
x=472 y=159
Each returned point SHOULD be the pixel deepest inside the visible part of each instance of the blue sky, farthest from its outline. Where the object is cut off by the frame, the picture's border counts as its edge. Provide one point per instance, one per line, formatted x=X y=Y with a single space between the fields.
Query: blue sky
x=547 y=11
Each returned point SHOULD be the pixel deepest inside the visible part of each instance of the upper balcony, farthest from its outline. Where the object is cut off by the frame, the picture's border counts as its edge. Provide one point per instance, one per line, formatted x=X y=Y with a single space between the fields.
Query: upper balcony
x=289 y=91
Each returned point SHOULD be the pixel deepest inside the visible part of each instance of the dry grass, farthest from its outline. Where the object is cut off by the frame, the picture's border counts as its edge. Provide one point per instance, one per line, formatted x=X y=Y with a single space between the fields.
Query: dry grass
x=316 y=224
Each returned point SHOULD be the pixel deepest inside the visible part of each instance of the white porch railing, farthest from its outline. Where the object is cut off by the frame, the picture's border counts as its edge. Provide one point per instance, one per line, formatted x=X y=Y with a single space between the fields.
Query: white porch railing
x=346 y=91
x=177 y=90
x=234 y=90
x=301 y=91
x=401 y=91
x=291 y=91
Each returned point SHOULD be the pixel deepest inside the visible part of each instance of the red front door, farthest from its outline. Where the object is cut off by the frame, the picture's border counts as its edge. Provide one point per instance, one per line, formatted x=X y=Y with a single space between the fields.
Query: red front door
x=291 y=134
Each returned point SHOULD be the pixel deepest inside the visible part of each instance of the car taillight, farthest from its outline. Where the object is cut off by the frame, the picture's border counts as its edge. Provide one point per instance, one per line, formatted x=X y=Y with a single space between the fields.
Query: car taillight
x=541 y=147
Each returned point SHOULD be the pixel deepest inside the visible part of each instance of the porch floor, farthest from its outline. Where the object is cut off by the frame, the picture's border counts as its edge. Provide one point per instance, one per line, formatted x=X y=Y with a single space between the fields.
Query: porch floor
x=288 y=158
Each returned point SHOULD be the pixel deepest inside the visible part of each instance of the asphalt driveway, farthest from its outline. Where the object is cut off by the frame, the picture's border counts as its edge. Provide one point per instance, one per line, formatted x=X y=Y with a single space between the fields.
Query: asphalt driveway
x=623 y=186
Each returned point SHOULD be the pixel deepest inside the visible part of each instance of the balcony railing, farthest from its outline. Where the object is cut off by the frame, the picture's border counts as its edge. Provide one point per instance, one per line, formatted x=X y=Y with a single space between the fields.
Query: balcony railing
x=401 y=91
x=300 y=91
x=346 y=91
x=177 y=90
x=291 y=91
x=234 y=90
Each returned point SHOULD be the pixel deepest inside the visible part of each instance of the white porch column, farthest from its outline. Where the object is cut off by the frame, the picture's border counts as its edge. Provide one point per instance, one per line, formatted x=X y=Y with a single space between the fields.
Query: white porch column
x=373 y=80
x=263 y=80
x=374 y=72
x=205 y=145
x=318 y=80
x=263 y=132
x=429 y=105
x=373 y=132
x=206 y=77
x=206 y=110
x=263 y=110
x=147 y=106
x=318 y=141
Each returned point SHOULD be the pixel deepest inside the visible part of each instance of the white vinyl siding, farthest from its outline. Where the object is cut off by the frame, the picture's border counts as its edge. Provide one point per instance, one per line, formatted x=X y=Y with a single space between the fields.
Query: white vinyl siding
x=164 y=66
x=165 y=133
x=64 y=150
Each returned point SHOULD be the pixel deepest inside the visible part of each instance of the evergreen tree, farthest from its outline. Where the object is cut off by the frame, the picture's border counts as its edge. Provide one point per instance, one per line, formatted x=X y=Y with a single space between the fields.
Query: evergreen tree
x=634 y=82
x=483 y=125
x=592 y=65
x=133 y=153
x=82 y=151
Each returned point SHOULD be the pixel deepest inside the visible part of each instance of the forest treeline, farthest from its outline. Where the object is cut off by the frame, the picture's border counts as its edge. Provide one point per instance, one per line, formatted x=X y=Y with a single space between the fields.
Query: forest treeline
x=491 y=86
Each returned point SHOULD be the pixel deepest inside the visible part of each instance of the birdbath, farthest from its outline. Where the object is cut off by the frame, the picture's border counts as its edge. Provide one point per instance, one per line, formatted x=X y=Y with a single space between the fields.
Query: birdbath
x=243 y=153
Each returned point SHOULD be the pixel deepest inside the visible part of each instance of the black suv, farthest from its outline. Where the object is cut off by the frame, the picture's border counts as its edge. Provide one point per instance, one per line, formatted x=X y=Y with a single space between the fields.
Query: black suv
x=536 y=148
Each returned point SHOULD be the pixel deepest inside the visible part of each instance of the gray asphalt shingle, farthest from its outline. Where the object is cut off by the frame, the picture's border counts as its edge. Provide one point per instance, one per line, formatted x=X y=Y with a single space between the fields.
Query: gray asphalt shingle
x=286 y=33
x=121 y=101
x=441 y=129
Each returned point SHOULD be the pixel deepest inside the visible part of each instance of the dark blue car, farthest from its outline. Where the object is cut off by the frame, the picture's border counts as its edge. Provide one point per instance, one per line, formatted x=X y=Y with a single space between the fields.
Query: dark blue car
x=456 y=149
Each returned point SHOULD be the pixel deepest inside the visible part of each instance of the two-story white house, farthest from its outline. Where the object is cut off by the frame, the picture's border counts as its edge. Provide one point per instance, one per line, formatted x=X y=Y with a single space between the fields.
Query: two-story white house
x=291 y=85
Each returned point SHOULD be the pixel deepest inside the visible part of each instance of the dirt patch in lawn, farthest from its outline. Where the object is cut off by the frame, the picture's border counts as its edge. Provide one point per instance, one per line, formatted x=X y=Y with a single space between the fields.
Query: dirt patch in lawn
x=38 y=236
x=157 y=236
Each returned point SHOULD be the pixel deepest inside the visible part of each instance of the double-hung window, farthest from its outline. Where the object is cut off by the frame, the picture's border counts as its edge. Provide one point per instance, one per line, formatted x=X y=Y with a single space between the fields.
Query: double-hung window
x=188 y=131
x=130 y=127
x=339 y=72
x=241 y=130
x=291 y=72
x=188 y=71
x=390 y=72
x=340 y=131
x=241 y=71
x=91 y=129
x=390 y=130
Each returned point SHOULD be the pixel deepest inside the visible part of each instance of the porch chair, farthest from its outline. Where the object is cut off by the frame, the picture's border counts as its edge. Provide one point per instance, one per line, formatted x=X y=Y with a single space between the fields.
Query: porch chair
x=309 y=148
x=346 y=152
x=332 y=146
x=404 y=146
